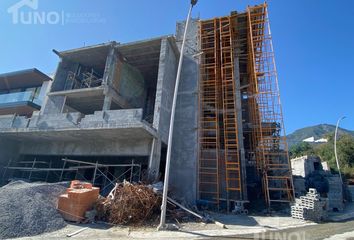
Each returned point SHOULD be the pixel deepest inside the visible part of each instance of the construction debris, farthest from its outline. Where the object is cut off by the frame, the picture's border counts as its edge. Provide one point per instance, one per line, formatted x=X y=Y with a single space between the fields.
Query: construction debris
x=205 y=219
x=310 y=207
x=78 y=199
x=129 y=204
x=28 y=209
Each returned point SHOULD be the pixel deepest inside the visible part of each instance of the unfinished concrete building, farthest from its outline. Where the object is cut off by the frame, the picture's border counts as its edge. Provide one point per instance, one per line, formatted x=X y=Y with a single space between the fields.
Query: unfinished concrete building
x=108 y=112
x=109 y=105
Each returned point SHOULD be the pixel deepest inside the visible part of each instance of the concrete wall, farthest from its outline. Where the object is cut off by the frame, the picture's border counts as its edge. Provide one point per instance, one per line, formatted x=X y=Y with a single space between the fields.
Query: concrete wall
x=303 y=166
x=122 y=142
x=55 y=121
x=128 y=147
x=55 y=104
x=128 y=82
x=61 y=74
x=6 y=121
x=164 y=89
x=335 y=193
x=123 y=118
x=183 y=178
x=43 y=92
x=351 y=192
x=112 y=118
x=13 y=122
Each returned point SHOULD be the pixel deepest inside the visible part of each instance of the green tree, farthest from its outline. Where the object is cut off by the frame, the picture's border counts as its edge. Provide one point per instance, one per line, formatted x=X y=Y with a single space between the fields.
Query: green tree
x=345 y=150
x=301 y=149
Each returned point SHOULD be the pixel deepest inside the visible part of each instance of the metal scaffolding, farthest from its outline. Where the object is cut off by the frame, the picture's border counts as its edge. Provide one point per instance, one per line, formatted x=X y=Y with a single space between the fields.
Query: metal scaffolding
x=231 y=146
x=268 y=133
x=239 y=48
x=209 y=132
x=100 y=171
x=219 y=161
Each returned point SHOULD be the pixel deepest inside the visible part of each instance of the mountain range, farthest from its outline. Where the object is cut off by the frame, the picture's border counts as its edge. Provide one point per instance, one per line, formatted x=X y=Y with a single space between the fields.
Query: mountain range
x=317 y=131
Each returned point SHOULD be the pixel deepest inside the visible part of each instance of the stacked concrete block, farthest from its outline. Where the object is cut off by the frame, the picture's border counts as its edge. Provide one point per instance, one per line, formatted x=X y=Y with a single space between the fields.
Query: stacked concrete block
x=310 y=207
x=6 y=121
x=20 y=122
x=56 y=121
x=112 y=118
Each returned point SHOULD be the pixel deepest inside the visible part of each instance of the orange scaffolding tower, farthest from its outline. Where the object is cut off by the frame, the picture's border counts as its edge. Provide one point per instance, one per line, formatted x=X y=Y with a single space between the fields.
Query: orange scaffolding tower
x=268 y=133
x=225 y=44
x=209 y=132
x=219 y=162
x=231 y=149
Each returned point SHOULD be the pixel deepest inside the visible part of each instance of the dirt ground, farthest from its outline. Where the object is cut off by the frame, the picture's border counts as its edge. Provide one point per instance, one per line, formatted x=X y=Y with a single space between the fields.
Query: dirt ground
x=238 y=227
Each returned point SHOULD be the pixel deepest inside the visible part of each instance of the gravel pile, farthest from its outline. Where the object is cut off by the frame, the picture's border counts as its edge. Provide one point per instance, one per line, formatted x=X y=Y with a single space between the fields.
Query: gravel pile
x=28 y=209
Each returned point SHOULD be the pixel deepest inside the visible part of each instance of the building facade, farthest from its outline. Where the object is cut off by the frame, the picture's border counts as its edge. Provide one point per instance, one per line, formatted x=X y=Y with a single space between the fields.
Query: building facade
x=110 y=105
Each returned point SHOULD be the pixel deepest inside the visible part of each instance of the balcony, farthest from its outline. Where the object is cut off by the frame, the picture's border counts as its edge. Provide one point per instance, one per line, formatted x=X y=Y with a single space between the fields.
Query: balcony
x=21 y=103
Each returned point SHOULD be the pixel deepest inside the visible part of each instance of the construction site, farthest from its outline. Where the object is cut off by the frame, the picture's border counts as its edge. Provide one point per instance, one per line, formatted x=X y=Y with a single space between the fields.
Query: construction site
x=102 y=123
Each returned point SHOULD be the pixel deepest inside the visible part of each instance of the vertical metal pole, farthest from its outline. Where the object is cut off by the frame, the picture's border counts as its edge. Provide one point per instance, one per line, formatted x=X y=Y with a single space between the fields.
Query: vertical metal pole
x=5 y=170
x=105 y=179
x=50 y=166
x=335 y=148
x=173 y=109
x=139 y=172
x=94 y=174
x=33 y=164
x=238 y=103
x=62 y=171
x=131 y=171
x=77 y=171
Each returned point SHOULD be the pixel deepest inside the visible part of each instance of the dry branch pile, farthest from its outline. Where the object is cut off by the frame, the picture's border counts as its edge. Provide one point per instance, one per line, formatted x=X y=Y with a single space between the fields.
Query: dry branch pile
x=129 y=204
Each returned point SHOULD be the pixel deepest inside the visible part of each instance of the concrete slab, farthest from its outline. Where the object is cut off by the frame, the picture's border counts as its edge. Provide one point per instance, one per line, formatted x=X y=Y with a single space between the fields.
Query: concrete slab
x=85 y=100
x=37 y=135
x=190 y=230
x=22 y=79
x=94 y=56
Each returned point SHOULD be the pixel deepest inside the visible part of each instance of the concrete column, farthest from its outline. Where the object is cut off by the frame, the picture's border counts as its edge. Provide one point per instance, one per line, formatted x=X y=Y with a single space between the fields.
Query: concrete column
x=159 y=85
x=110 y=65
x=154 y=159
x=238 y=102
x=53 y=105
x=107 y=102
x=107 y=78
x=184 y=159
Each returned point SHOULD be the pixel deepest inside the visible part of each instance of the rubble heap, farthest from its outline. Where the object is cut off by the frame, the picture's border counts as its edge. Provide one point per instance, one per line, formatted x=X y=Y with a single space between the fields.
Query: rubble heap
x=28 y=209
x=309 y=207
x=129 y=204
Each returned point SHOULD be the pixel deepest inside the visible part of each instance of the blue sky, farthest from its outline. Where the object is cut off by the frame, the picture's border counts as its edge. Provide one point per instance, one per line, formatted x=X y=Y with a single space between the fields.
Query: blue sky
x=313 y=41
